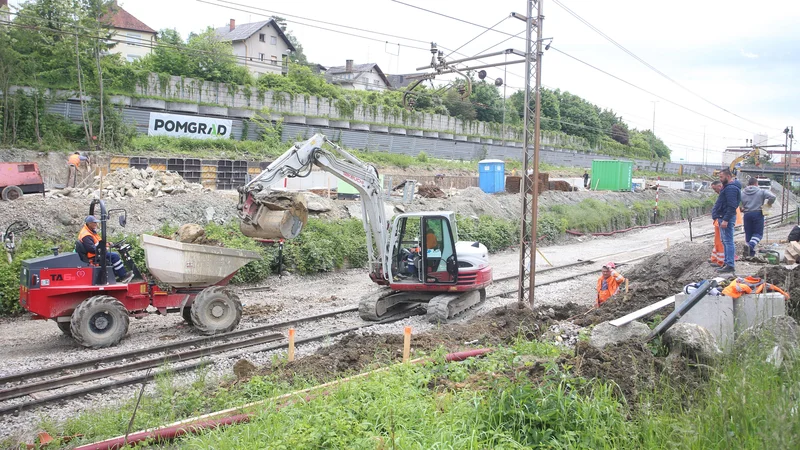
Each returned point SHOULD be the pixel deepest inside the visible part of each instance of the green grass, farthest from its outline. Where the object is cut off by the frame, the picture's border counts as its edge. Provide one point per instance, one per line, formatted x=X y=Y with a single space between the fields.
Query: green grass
x=490 y=402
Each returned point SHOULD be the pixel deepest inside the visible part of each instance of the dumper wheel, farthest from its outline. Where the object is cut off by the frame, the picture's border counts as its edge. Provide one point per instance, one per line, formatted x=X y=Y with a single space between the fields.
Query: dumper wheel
x=65 y=327
x=101 y=321
x=216 y=310
x=11 y=193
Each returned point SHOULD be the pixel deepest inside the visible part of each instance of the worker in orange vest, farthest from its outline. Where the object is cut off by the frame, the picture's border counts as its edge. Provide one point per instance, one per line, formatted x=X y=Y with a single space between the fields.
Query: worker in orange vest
x=718 y=252
x=608 y=283
x=74 y=165
x=90 y=239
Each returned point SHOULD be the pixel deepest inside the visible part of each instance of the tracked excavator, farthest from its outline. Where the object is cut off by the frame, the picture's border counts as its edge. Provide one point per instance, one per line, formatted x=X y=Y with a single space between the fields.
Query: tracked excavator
x=416 y=260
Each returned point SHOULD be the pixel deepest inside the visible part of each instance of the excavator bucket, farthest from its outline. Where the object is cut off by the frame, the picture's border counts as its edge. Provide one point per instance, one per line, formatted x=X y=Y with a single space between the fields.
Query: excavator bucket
x=274 y=215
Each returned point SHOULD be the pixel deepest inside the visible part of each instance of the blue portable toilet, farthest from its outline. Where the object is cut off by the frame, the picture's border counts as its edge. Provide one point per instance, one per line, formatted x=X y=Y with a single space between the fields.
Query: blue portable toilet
x=491 y=175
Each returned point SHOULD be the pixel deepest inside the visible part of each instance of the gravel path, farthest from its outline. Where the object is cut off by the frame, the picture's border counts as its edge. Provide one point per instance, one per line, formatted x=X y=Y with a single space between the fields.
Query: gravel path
x=28 y=345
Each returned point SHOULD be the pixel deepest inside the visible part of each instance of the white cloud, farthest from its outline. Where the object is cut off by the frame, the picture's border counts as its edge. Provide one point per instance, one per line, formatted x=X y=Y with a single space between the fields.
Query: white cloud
x=748 y=54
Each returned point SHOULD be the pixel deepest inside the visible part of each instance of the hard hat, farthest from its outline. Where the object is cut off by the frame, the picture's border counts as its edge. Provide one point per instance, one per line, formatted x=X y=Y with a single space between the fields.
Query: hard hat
x=610 y=265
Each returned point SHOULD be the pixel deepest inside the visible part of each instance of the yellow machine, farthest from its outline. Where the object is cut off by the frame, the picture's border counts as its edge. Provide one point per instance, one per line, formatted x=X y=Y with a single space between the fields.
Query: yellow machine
x=756 y=153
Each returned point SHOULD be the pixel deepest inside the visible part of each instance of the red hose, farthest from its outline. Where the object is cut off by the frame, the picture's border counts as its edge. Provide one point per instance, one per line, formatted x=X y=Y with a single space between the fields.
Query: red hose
x=461 y=356
x=165 y=434
x=172 y=432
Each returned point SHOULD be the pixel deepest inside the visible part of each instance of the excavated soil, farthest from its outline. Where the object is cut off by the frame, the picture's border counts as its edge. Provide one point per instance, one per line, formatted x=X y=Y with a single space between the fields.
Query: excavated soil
x=633 y=370
x=654 y=279
x=357 y=352
x=789 y=281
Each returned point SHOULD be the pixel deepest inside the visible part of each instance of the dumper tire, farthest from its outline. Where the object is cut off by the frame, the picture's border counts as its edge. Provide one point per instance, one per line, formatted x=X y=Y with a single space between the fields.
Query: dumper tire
x=11 y=193
x=65 y=327
x=216 y=310
x=100 y=321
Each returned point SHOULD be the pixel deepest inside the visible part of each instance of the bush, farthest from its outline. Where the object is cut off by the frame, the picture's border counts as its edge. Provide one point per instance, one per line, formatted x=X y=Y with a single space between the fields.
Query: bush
x=30 y=246
x=496 y=234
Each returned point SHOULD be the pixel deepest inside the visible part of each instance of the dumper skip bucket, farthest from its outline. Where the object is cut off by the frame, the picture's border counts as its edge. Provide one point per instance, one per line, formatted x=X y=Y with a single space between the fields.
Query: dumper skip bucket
x=184 y=265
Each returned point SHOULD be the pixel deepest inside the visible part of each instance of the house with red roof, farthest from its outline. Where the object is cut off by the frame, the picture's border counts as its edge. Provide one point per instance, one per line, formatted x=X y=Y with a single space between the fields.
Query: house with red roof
x=132 y=38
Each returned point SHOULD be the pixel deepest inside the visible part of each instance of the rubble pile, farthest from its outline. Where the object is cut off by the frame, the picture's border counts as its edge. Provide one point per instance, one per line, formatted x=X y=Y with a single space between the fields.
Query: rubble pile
x=132 y=182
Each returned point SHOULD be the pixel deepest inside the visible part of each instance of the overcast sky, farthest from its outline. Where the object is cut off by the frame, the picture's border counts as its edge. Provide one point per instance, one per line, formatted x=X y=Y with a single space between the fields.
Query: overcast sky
x=742 y=56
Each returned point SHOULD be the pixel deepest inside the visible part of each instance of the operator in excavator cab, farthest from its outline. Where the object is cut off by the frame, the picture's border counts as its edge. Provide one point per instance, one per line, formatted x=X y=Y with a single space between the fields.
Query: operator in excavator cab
x=89 y=237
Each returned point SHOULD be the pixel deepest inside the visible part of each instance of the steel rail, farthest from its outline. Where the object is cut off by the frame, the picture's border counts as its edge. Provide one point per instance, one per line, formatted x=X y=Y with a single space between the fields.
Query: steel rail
x=24 y=376
x=10 y=409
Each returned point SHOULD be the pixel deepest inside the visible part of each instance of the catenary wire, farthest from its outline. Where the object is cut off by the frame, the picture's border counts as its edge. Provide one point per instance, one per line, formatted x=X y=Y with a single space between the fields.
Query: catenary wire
x=648 y=65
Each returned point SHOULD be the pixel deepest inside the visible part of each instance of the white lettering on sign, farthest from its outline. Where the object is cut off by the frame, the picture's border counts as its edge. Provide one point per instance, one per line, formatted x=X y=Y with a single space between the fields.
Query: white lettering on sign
x=194 y=127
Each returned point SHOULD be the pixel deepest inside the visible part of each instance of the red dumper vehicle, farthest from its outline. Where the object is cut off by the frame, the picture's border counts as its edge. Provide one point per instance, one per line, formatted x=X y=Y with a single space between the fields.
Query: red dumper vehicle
x=81 y=296
x=17 y=178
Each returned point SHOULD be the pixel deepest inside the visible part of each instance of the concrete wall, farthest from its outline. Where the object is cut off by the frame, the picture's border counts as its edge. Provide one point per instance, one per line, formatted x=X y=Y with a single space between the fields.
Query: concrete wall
x=358 y=135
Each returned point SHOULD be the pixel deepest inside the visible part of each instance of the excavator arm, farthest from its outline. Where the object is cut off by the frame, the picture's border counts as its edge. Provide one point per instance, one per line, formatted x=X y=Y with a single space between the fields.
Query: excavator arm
x=262 y=218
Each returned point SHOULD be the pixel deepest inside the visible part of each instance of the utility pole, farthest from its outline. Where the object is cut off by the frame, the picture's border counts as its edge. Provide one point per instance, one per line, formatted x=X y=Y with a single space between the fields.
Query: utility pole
x=530 y=157
x=653 y=129
x=786 y=155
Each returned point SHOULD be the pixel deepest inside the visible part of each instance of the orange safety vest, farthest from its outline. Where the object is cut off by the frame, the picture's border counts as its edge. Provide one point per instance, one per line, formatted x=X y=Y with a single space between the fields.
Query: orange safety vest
x=431 y=241
x=85 y=231
x=75 y=160
x=612 y=282
x=751 y=285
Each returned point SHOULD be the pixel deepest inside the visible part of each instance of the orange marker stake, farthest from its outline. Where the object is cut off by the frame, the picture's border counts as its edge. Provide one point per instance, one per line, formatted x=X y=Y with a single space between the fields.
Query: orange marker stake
x=291 y=344
x=406 y=343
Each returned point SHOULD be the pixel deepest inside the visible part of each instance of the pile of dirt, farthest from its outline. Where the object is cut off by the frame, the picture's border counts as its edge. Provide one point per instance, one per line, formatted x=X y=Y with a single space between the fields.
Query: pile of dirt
x=789 y=281
x=430 y=191
x=132 y=183
x=654 y=279
x=633 y=370
x=356 y=352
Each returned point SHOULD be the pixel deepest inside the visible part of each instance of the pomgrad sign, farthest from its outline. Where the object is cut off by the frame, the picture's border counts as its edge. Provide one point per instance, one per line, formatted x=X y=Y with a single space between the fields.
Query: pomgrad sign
x=194 y=127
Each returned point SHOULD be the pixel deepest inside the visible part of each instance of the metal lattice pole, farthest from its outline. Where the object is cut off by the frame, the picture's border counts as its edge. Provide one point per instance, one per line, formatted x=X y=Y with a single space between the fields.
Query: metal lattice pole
x=530 y=155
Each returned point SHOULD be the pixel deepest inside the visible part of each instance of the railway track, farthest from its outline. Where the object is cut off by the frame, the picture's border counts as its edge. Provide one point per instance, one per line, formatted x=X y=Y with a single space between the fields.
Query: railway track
x=189 y=354
x=37 y=385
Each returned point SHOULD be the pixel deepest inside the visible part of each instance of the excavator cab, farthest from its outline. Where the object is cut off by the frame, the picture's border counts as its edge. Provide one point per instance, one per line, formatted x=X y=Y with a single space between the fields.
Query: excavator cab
x=424 y=249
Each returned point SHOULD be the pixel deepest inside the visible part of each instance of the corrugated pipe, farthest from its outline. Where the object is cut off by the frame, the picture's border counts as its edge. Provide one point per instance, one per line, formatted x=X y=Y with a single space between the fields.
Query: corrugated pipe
x=198 y=424
x=611 y=233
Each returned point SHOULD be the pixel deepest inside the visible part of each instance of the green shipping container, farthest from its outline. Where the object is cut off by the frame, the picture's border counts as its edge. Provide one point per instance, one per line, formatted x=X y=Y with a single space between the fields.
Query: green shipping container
x=612 y=175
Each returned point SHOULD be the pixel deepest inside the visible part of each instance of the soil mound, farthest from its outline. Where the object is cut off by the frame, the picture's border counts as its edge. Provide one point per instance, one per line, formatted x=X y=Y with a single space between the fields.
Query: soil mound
x=654 y=279
x=634 y=371
x=356 y=352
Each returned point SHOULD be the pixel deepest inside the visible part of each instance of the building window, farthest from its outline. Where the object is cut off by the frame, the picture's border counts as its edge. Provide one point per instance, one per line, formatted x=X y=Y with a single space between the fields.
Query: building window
x=273 y=40
x=274 y=60
x=133 y=38
x=261 y=56
x=261 y=37
x=377 y=82
x=131 y=57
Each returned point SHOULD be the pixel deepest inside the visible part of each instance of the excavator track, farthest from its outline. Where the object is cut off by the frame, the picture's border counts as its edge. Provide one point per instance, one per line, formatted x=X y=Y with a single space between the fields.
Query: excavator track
x=443 y=308
x=385 y=303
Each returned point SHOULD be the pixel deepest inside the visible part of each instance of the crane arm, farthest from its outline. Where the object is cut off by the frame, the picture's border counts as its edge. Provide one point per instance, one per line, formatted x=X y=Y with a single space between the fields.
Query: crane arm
x=297 y=162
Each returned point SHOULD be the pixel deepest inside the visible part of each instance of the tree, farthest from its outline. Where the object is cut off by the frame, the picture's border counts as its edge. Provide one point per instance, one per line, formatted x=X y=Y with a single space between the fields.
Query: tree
x=579 y=117
x=457 y=107
x=487 y=102
x=297 y=56
x=619 y=133
x=551 y=110
x=169 y=56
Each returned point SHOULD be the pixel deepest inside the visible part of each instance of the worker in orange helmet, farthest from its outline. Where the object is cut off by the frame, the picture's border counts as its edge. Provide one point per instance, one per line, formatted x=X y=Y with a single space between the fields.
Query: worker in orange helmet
x=608 y=283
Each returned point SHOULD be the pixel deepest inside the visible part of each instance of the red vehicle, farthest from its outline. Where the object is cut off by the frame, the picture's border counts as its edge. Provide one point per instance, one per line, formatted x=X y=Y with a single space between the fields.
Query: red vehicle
x=81 y=296
x=17 y=178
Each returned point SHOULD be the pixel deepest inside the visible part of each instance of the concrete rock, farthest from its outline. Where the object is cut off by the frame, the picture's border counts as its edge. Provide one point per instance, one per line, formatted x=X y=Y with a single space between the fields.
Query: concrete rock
x=190 y=232
x=210 y=211
x=773 y=340
x=318 y=204
x=692 y=341
x=606 y=334
x=138 y=184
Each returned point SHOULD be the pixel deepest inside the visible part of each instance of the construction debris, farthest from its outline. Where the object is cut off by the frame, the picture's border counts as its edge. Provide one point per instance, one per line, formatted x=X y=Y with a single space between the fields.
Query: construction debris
x=189 y=233
x=132 y=183
x=430 y=191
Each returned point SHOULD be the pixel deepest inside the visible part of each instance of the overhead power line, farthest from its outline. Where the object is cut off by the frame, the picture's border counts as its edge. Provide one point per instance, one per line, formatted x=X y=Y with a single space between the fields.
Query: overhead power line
x=646 y=91
x=650 y=66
